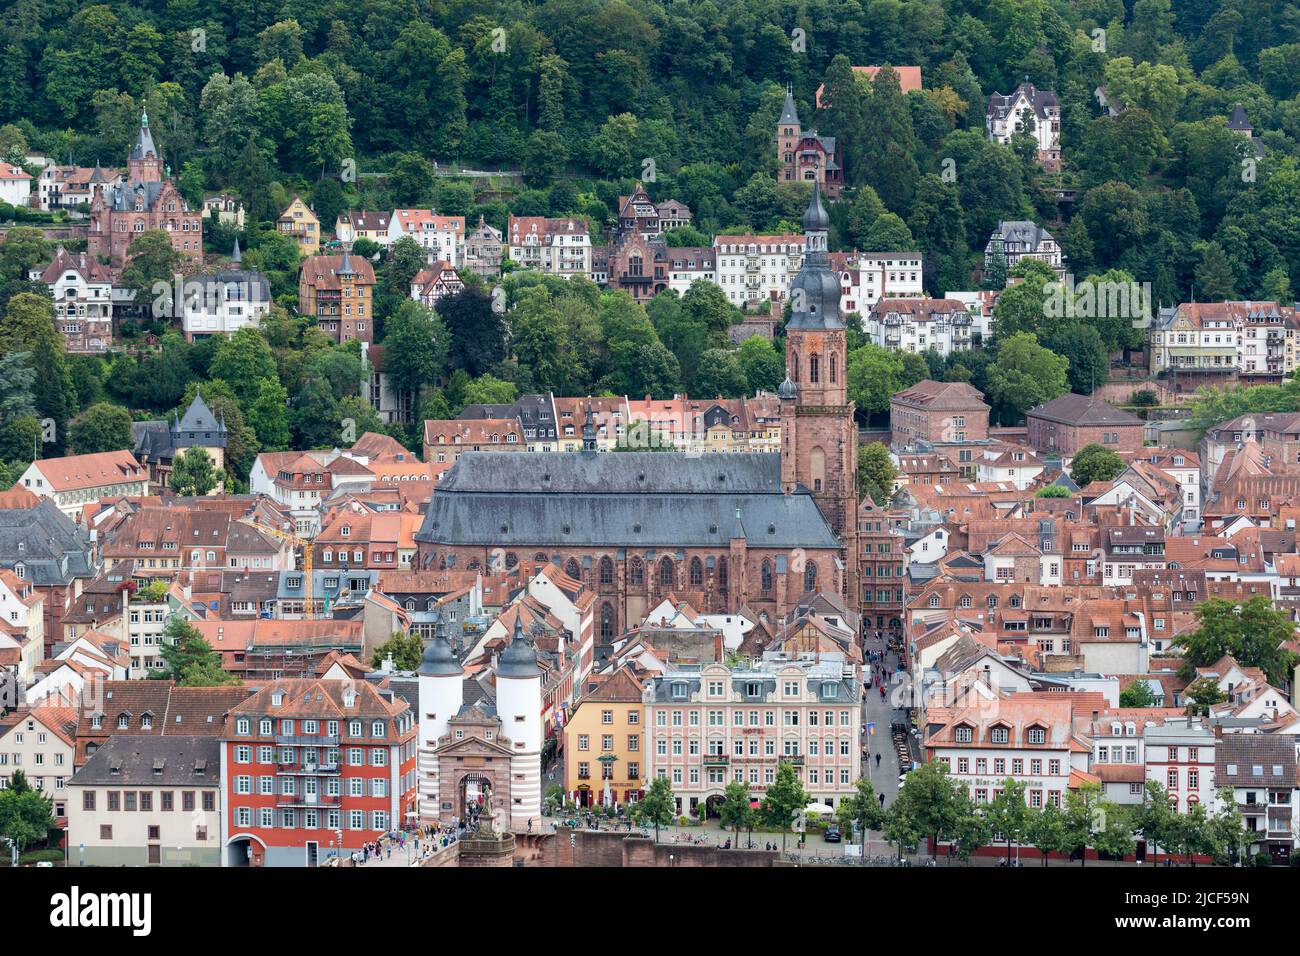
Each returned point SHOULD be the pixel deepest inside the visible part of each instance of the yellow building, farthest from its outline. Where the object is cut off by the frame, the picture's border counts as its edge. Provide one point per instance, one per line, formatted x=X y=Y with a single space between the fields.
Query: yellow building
x=300 y=223
x=605 y=744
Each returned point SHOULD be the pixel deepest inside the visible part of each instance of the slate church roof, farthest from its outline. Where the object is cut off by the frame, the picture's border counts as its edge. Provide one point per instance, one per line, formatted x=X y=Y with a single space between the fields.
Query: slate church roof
x=620 y=499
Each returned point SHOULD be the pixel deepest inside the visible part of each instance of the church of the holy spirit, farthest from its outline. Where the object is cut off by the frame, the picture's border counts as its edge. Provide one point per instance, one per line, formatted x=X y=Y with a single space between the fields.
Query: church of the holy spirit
x=719 y=530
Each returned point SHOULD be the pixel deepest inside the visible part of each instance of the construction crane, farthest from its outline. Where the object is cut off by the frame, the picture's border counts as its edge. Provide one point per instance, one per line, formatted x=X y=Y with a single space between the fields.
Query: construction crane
x=308 y=605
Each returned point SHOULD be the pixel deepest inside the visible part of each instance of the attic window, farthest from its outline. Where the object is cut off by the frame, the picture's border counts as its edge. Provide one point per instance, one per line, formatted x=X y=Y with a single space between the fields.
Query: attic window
x=636 y=528
x=505 y=528
x=567 y=529
x=713 y=529
x=771 y=529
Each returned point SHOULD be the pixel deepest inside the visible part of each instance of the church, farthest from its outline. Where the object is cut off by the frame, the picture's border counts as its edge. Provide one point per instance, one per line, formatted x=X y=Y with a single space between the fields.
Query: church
x=720 y=531
x=146 y=201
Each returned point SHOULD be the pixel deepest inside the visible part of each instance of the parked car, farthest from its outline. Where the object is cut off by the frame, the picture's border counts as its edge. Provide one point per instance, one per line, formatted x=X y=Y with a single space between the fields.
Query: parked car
x=833 y=833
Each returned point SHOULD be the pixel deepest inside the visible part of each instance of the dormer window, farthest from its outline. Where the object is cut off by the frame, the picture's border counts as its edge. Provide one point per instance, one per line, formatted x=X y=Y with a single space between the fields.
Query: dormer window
x=999 y=735
x=964 y=734
x=1037 y=735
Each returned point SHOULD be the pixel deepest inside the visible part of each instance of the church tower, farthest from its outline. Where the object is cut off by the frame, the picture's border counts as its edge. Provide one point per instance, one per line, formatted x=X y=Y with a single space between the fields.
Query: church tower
x=144 y=165
x=788 y=134
x=819 y=438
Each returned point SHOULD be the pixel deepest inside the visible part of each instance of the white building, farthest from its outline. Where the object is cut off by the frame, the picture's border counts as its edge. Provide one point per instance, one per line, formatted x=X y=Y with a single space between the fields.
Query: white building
x=142 y=800
x=868 y=277
x=443 y=236
x=82 y=288
x=711 y=725
x=688 y=265
x=1027 y=110
x=1022 y=239
x=40 y=742
x=919 y=325
x=77 y=480
x=752 y=269
x=224 y=301
x=145 y=622
x=1180 y=756
x=559 y=246
x=15 y=185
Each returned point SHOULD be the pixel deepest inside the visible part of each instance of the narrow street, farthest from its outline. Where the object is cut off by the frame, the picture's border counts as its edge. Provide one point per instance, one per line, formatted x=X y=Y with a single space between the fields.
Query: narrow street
x=879 y=712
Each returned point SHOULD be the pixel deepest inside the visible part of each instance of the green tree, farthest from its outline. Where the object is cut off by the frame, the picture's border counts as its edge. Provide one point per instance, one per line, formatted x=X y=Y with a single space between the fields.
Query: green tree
x=478 y=331
x=1052 y=491
x=1046 y=831
x=1155 y=819
x=873 y=375
x=152 y=265
x=243 y=361
x=719 y=374
x=1215 y=280
x=16 y=380
x=1084 y=815
x=188 y=659
x=489 y=390
x=193 y=473
x=405 y=650
x=1228 y=828
x=26 y=815
x=1025 y=374
x=416 y=344
x=28 y=326
x=876 y=472
x=101 y=427
x=1201 y=694
x=657 y=807
x=735 y=811
x=1009 y=814
x=1254 y=633
x=935 y=804
x=1094 y=462
x=1081 y=345
x=762 y=365
x=784 y=800
x=861 y=809
x=1113 y=835
x=1137 y=694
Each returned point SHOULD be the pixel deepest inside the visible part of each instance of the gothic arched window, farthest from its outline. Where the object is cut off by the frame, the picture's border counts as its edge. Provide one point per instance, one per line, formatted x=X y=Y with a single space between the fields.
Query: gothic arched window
x=697 y=573
x=722 y=574
x=606 y=571
x=834 y=362
x=572 y=570
x=606 y=623
x=636 y=572
x=810 y=576
x=666 y=572
x=814 y=372
x=765 y=576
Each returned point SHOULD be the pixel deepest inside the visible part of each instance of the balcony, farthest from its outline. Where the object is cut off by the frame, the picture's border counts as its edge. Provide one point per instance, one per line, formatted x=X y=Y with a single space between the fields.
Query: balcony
x=329 y=740
x=306 y=770
x=716 y=760
x=795 y=760
x=287 y=801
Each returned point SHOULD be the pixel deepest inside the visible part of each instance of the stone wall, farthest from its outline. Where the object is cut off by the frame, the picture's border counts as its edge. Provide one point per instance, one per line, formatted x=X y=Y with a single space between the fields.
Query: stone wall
x=610 y=848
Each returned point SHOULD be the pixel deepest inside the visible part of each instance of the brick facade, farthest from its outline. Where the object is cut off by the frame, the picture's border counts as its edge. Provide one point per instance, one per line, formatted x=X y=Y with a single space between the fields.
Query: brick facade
x=937 y=412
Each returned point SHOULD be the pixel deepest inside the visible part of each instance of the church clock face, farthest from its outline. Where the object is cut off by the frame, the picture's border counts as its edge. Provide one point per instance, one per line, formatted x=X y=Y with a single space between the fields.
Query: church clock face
x=815 y=344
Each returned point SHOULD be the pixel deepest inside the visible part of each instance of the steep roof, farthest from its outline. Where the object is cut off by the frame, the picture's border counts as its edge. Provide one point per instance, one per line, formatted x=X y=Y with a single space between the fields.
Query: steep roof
x=939 y=395
x=635 y=499
x=153 y=761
